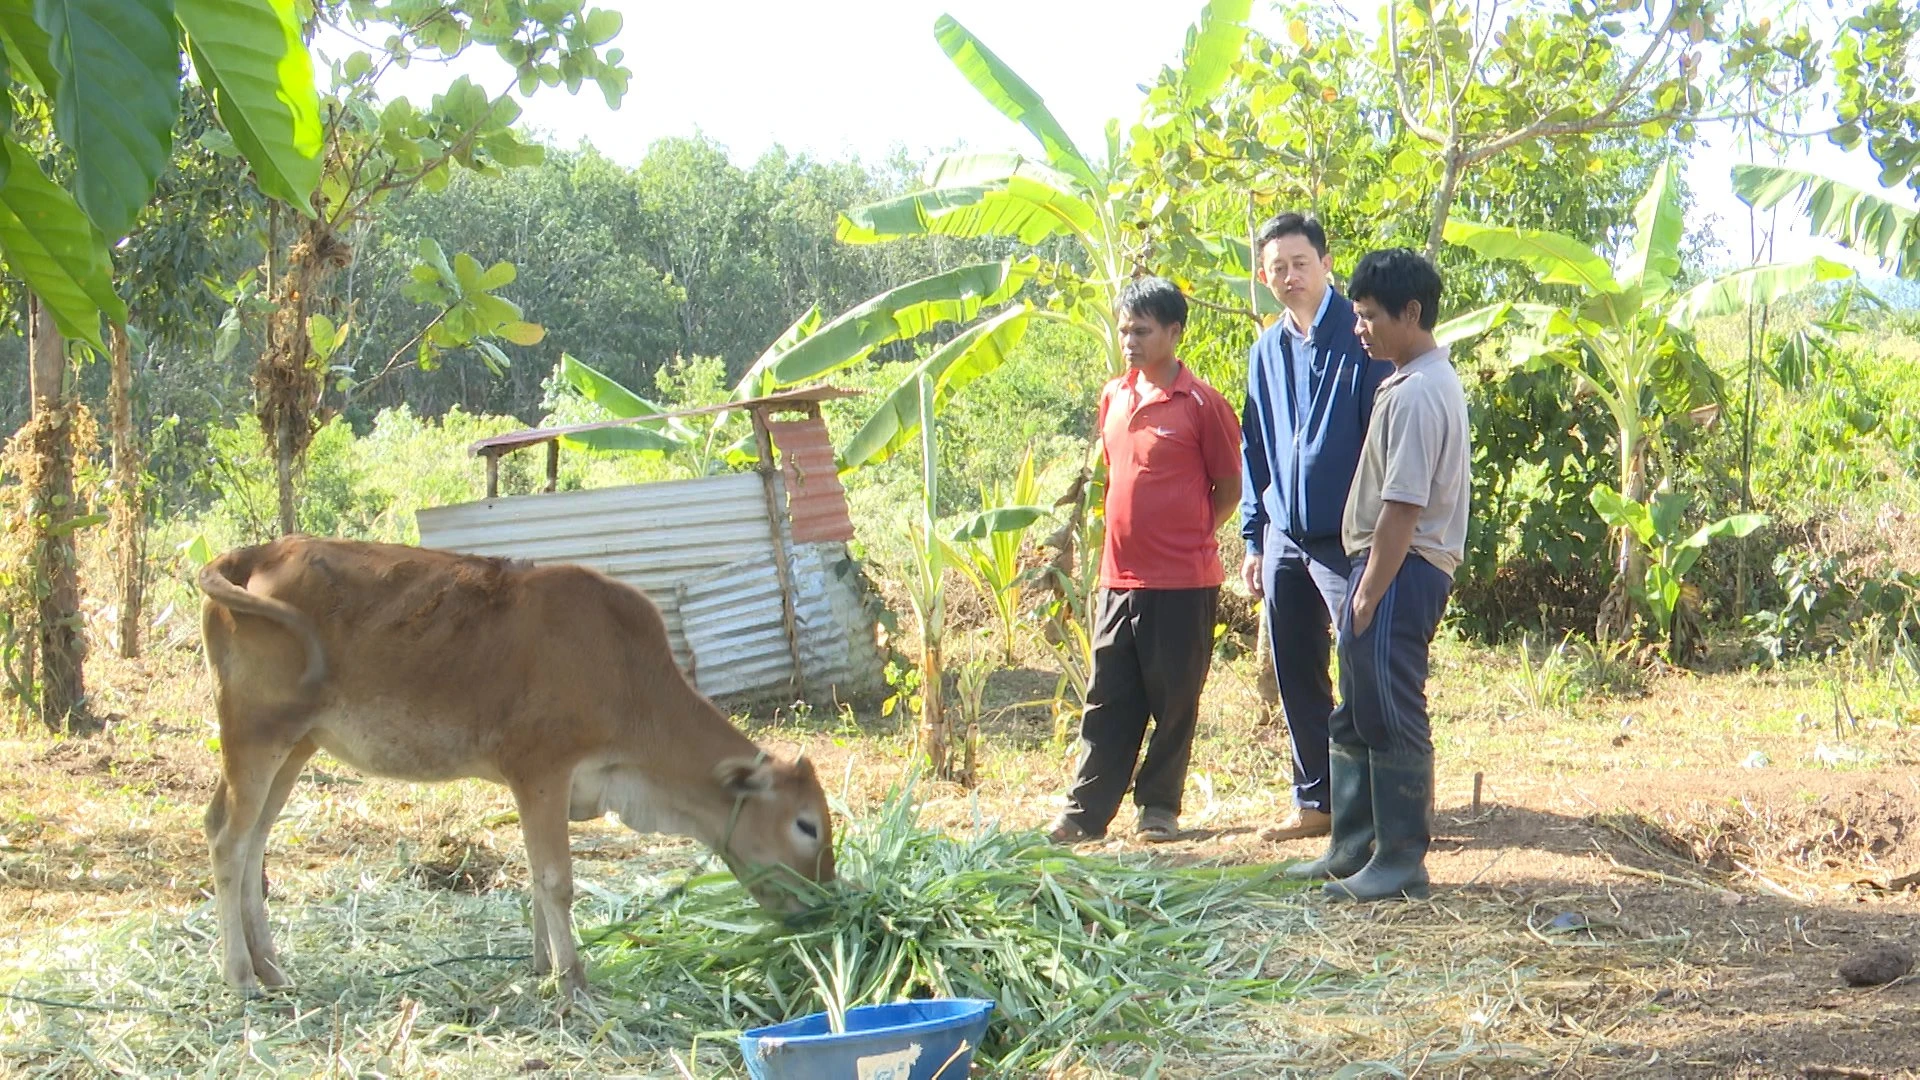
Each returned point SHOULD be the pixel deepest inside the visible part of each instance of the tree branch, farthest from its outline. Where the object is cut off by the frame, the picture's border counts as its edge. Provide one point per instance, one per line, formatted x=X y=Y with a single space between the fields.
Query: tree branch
x=1400 y=80
x=1629 y=88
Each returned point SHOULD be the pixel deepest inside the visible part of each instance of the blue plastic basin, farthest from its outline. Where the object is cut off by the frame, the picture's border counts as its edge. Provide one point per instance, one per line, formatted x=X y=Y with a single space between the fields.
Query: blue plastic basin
x=911 y=1040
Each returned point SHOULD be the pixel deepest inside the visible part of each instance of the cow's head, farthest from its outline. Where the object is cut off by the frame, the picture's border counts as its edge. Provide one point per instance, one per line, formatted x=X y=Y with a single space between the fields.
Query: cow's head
x=779 y=820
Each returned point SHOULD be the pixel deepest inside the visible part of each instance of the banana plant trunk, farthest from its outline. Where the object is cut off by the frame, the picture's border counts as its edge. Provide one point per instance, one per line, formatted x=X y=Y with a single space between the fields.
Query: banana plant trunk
x=1630 y=560
x=129 y=517
x=58 y=640
x=936 y=735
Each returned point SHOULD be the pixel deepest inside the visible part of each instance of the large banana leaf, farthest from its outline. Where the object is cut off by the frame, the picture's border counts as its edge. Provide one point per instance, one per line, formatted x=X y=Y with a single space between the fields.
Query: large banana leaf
x=1556 y=259
x=251 y=55
x=1023 y=209
x=757 y=381
x=1000 y=519
x=900 y=313
x=976 y=351
x=1743 y=289
x=1658 y=227
x=1213 y=44
x=119 y=94
x=51 y=244
x=990 y=170
x=1862 y=220
x=1010 y=94
x=623 y=403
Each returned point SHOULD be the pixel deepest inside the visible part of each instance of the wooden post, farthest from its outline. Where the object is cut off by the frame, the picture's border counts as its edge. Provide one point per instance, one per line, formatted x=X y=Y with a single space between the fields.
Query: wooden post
x=493 y=475
x=775 y=491
x=553 y=464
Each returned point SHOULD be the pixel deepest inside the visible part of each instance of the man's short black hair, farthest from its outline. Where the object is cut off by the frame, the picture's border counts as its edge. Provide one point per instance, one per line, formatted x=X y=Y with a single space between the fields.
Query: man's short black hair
x=1157 y=298
x=1290 y=224
x=1393 y=278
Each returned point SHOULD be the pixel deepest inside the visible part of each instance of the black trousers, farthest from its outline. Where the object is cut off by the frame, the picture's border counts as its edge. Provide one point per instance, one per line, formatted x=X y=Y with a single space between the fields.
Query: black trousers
x=1151 y=651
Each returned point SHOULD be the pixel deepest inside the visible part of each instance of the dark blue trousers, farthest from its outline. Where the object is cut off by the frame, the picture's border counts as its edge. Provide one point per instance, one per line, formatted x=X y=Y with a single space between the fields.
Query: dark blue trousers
x=1383 y=670
x=1306 y=590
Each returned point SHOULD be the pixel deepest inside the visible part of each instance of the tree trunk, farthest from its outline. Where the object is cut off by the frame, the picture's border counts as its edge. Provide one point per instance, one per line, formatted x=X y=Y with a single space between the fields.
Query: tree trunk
x=129 y=505
x=1443 y=202
x=61 y=647
x=1268 y=681
x=286 y=383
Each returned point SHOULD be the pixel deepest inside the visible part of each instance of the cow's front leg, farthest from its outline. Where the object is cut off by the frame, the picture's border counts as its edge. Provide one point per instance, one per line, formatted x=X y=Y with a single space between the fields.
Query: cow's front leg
x=543 y=825
x=542 y=952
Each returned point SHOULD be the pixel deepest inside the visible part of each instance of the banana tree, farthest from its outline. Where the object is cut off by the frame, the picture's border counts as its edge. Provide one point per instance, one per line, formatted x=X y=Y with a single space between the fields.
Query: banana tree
x=1061 y=195
x=990 y=543
x=810 y=349
x=1657 y=524
x=1628 y=337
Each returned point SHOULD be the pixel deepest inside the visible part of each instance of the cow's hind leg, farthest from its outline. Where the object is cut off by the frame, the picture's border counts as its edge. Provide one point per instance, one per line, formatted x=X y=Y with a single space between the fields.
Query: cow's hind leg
x=543 y=824
x=248 y=775
x=266 y=962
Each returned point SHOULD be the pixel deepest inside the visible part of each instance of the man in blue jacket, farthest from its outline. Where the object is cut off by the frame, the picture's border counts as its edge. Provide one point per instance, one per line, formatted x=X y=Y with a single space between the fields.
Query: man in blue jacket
x=1310 y=389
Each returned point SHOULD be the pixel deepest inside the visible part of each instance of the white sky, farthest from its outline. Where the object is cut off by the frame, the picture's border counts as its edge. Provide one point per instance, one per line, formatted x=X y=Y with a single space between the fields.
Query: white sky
x=860 y=77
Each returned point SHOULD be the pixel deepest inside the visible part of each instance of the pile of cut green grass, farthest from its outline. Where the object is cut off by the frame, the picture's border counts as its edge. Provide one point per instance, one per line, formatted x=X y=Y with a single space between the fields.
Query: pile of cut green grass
x=1077 y=950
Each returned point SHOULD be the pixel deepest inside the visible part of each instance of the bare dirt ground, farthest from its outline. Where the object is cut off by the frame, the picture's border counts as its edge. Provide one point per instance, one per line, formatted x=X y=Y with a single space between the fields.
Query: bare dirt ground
x=1625 y=900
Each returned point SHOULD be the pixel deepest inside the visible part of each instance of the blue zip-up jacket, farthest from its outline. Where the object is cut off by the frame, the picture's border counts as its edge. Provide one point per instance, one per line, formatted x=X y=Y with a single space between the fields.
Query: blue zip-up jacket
x=1296 y=476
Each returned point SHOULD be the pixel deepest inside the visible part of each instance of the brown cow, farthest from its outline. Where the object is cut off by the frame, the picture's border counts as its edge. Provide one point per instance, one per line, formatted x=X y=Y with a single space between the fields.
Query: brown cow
x=426 y=665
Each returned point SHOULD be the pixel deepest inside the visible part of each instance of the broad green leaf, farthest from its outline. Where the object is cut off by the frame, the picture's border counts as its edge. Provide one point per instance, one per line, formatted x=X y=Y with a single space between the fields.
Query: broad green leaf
x=1622 y=513
x=628 y=439
x=523 y=333
x=976 y=351
x=1010 y=94
x=29 y=49
x=1557 y=259
x=1738 y=525
x=1213 y=44
x=325 y=337
x=499 y=275
x=1023 y=209
x=1000 y=519
x=1655 y=258
x=991 y=170
x=1865 y=221
x=197 y=551
x=1472 y=324
x=900 y=313
x=1743 y=289
x=603 y=391
x=1667 y=510
x=757 y=381
x=251 y=55
x=50 y=244
x=6 y=106
x=118 y=98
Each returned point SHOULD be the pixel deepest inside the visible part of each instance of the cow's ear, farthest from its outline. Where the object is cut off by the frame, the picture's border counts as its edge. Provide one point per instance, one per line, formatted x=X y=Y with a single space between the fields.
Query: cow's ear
x=803 y=767
x=744 y=776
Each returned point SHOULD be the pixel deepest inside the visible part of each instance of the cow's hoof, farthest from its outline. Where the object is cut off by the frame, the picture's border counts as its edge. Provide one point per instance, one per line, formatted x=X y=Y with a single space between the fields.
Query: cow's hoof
x=270 y=975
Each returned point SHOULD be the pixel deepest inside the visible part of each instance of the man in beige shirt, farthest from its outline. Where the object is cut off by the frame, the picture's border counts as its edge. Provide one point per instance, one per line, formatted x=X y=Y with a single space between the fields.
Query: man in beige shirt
x=1406 y=530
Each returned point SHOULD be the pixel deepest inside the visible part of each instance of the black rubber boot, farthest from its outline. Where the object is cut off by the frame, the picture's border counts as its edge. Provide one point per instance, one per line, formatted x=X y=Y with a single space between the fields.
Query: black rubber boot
x=1403 y=830
x=1350 y=792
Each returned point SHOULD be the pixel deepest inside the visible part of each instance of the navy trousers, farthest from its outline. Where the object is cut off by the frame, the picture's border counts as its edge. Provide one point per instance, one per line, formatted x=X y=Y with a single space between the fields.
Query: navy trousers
x=1383 y=669
x=1306 y=593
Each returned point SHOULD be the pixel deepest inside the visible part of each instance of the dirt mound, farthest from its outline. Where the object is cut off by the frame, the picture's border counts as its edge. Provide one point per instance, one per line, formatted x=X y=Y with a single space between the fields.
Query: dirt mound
x=1856 y=834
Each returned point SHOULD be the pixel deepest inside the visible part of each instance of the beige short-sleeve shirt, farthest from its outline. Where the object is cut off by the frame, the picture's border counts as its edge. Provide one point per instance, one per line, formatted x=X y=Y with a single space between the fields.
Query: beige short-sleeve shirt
x=1418 y=451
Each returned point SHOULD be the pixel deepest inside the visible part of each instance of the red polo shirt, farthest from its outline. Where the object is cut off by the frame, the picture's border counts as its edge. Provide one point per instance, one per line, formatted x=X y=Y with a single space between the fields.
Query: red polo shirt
x=1164 y=451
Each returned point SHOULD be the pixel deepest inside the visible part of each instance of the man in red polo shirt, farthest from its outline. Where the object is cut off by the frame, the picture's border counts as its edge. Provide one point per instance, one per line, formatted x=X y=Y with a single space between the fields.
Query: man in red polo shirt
x=1172 y=446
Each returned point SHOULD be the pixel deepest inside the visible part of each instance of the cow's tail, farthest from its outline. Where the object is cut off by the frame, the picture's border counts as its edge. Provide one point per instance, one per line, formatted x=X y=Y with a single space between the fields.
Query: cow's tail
x=223 y=581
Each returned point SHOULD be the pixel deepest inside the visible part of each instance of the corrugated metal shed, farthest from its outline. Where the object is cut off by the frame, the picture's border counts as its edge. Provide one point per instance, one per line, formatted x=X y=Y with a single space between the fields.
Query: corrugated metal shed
x=651 y=536
x=734 y=629
x=816 y=503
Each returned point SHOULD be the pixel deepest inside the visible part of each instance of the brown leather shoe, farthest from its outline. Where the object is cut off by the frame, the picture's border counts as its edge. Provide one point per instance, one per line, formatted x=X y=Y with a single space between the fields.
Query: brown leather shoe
x=1305 y=823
